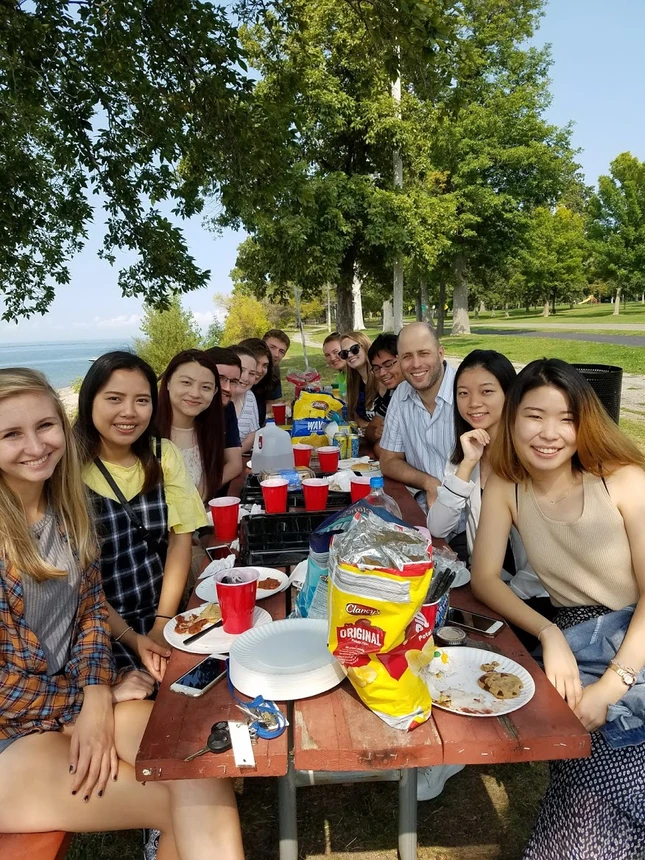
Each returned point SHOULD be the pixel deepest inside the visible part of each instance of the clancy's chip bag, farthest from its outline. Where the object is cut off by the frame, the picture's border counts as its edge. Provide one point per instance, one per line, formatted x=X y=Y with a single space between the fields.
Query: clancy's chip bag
x=379 y=574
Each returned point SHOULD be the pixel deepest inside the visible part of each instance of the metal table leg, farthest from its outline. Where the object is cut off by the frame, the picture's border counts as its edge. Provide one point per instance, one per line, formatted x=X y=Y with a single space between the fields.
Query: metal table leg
x=287 y=810
x=407 y=814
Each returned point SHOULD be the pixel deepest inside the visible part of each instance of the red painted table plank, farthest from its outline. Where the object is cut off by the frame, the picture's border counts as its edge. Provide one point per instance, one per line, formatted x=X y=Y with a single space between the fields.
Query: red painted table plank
x=546 y=728
x=179 y=725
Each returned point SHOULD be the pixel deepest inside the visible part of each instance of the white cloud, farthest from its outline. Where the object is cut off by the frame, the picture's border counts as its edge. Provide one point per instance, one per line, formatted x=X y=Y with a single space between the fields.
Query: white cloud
x=123 y=321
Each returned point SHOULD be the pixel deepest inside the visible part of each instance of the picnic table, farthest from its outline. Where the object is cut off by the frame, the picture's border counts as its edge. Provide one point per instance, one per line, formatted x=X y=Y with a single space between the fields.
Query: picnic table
x=334 y=731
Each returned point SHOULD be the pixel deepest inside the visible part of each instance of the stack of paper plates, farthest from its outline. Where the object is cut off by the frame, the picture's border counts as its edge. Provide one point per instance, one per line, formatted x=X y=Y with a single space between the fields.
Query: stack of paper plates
x=284 y=660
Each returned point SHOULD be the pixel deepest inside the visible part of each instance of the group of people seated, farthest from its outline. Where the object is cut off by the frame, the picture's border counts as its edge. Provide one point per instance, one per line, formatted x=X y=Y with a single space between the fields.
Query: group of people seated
x=523 y=474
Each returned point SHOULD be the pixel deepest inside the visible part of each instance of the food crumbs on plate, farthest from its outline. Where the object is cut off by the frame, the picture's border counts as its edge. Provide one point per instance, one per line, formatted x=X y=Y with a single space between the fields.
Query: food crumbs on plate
x=489 y=667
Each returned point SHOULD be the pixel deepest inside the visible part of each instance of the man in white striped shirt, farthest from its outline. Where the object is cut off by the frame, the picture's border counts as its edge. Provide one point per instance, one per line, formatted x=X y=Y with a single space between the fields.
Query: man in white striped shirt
x=419 y=435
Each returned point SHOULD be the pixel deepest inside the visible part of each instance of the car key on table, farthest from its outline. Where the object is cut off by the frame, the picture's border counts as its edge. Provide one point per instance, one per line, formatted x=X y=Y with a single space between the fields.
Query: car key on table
x=218 y=741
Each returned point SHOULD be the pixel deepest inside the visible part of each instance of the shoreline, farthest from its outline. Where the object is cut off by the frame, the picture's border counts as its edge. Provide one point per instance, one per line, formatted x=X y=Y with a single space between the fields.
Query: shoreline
x=69 y=398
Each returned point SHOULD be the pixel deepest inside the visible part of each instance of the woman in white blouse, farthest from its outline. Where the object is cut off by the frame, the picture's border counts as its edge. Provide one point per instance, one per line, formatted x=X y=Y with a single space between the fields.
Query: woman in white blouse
x=481 y=383
x=246 y=407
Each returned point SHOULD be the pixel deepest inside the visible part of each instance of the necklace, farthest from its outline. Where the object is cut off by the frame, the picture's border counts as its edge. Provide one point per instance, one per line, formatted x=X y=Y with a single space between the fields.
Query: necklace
x=562 y=498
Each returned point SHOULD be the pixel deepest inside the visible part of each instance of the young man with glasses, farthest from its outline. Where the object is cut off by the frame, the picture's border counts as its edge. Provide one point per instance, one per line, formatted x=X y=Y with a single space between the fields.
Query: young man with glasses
x=384 y=364
x=229 y=368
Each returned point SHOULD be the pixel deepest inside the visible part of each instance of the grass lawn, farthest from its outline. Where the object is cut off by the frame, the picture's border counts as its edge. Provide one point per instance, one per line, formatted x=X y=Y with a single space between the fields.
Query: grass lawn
x=359 y=822
x=632 y=312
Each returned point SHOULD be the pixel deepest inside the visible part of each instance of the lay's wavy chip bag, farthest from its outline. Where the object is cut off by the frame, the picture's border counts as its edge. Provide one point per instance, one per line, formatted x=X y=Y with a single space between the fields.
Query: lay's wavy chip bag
x=312 y=412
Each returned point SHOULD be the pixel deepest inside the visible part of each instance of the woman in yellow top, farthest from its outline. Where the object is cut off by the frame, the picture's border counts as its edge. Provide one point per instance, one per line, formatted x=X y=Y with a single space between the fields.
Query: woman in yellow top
x=146 y=504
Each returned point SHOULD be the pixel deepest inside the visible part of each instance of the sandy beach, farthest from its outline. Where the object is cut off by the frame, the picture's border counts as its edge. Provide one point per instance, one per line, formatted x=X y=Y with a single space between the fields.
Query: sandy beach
x=69 y=398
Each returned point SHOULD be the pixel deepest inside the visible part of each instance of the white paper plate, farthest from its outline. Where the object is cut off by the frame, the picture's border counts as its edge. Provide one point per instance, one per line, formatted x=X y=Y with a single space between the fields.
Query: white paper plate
x=458 y=679
x=215 y=642
x=206 y=587
x=463 y=576
x=285 y=660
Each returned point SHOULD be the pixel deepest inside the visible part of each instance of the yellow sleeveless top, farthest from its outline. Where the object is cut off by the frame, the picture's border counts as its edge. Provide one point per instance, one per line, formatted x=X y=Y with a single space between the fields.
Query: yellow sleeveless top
x=583 y=563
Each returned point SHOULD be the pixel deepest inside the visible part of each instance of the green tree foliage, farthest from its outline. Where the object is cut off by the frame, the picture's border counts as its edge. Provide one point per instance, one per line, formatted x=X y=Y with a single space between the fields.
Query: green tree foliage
x=617 y=226
x=326 y=207
x=245 y=318
x=106 y=99
x=167 y=332
x=550 y=263
x=214 y=334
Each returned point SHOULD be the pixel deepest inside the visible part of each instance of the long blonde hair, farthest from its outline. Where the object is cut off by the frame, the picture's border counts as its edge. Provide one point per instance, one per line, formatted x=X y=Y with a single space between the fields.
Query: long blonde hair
x=354 y=378
x=65 y=492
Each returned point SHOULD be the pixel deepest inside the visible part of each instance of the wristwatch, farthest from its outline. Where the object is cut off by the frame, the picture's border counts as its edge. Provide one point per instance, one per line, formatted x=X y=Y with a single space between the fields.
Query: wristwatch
x=626 y=674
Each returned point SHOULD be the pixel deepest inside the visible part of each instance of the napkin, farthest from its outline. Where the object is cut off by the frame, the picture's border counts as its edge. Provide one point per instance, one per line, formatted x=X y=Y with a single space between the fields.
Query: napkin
x=339 y=483
x=217 y=565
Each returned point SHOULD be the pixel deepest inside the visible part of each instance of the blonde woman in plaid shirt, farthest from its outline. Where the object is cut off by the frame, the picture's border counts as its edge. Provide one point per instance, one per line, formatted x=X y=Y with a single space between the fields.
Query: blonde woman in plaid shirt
x=69 y=733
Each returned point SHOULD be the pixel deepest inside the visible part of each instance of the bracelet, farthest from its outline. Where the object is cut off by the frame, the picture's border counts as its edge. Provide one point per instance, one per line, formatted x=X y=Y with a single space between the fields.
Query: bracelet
x=546 y=627
x=164 y=616
x=623 y=667
x=121 y=635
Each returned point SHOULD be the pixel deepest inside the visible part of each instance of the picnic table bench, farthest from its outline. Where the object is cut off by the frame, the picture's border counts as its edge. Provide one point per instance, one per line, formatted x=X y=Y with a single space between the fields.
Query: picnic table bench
x=335 y=732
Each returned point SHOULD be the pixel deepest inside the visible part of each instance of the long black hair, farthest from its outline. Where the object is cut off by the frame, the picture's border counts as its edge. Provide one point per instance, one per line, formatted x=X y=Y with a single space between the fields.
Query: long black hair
x=209 y=424
x=86 y=433
x=491 y=361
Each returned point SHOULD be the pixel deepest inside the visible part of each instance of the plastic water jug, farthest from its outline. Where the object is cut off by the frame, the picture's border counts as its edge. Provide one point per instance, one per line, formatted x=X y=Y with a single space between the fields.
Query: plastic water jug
x=272 y=449
x=378 y=498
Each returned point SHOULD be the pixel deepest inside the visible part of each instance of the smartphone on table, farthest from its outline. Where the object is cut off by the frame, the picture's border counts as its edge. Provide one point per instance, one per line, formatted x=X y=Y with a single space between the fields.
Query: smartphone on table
x=201 y=677
x=476 y=623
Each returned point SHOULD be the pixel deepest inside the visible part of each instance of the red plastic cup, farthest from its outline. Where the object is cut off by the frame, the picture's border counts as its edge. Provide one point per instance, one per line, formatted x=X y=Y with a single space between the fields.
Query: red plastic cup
x=302 y=454
x=315 y=491
x=359 y=487
x=280 y=413
x=328 y=458
x=226 y=514
x=236 y=589
x=436 y=613
x=274 y=493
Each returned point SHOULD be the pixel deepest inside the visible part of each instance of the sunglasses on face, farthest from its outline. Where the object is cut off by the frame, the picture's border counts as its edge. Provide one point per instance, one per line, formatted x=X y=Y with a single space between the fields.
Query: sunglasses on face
x=387 y=365
x=353 y=350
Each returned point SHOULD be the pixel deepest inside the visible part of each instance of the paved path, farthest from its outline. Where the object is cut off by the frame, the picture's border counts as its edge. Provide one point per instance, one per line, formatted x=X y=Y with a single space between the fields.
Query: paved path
x=528 y=324
x=620 y=340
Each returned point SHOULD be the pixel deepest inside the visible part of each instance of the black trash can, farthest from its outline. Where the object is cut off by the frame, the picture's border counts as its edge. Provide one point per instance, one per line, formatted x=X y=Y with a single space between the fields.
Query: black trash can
x=606 y=380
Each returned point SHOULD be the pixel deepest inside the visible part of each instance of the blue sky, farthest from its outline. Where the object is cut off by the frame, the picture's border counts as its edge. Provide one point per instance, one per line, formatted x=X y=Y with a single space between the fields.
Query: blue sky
x=599 y=66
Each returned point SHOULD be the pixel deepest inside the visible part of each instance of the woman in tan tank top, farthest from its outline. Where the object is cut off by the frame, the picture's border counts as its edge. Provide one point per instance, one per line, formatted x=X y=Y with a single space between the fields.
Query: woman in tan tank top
x=574 y=487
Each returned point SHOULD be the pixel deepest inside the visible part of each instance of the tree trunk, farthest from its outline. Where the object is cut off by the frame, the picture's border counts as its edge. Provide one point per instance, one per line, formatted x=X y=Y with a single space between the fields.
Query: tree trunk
x=617 y=302
x=643 y=298
x=388 y=316
x=426 y=310
x=460 y=321
x=357 y=304
x=344 y=310
x=398 y=296
x=328 y=308
x=527 y=306
x=506 y=313
x=441 y=307
x=553 y=294
x=482 y=308
x=546 y=308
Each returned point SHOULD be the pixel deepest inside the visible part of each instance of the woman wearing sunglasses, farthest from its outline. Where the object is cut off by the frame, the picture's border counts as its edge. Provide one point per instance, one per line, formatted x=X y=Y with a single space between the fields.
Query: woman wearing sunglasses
x=361 y=385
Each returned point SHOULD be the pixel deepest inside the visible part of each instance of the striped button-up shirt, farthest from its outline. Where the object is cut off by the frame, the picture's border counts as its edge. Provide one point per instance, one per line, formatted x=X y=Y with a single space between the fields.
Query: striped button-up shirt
x=427 y=440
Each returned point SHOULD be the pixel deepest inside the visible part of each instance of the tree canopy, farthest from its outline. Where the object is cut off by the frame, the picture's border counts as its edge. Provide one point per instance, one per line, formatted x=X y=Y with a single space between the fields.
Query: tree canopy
x=107 y=99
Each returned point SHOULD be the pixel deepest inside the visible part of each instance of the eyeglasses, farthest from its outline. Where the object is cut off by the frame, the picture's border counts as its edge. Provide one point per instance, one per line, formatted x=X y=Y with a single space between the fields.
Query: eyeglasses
x=387 y=365
x=353 y=350
x=225 y=379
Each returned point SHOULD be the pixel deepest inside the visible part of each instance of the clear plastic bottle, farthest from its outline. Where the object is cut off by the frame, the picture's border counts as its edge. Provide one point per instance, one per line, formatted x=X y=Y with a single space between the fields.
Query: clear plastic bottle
x=272 y=449
x=378 y=498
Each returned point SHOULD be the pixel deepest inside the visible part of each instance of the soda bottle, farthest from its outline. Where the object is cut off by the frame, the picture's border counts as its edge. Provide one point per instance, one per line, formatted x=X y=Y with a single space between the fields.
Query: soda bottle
x=378 y=498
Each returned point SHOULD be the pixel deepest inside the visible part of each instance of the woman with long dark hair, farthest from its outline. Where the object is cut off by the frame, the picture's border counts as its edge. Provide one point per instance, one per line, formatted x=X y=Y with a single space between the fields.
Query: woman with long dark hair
x=69 y=734
x=361 y=385
x=574 y=487
x=481 y=383
x=263 y=388
x=191 y=415
x=146 y=504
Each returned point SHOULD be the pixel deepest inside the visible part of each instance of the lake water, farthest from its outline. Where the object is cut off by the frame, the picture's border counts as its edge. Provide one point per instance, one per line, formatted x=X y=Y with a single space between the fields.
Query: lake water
x=60 y=362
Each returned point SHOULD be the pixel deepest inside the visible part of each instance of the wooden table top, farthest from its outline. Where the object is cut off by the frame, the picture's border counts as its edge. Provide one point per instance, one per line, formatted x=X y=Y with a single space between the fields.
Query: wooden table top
x=179 y=726
x=335 y=731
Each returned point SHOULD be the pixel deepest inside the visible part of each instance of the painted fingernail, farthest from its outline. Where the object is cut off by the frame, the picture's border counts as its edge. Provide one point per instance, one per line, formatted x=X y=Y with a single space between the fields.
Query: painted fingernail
x=71 y=768
x=114 y=778
x=73 y=792
x=86 y=798
x=101 y=793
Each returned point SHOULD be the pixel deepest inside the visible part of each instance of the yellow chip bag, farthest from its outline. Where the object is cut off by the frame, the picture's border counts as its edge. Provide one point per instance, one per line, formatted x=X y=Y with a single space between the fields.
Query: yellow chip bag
x=312 y=412
x=378 y=631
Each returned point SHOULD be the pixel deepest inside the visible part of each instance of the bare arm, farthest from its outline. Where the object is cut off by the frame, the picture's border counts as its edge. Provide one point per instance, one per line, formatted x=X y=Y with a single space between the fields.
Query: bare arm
x=232 y=464
x=393 y=465
x=247 y=442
